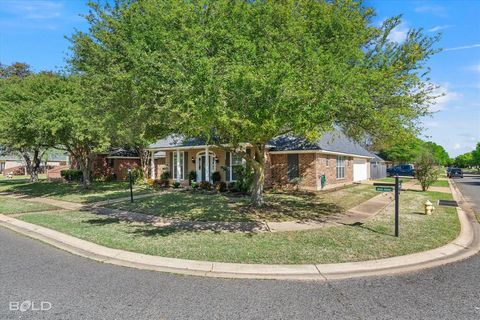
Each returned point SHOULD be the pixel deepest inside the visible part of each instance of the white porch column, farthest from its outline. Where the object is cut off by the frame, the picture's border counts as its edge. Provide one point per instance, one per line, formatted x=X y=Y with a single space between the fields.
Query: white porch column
x=207 y=165
x=152 y=165
x=179 y=168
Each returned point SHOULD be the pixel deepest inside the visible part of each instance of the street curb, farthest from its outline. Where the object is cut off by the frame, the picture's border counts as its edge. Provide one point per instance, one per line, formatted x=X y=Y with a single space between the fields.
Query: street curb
x=464 y=246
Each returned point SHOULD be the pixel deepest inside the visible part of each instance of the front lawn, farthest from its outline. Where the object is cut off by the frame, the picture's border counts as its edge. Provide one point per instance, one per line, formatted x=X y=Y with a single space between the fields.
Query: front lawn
x=198 y=206
x=70 y=191
x=11 y=206
x=372 y=240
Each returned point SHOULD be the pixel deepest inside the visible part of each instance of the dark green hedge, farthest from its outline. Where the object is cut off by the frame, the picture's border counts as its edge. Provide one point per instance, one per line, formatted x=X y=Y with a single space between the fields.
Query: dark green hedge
x=72 y=175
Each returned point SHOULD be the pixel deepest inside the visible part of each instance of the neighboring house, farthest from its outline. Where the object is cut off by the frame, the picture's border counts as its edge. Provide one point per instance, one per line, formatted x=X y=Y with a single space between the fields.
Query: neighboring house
x=117 y=161
x=290 y=161
x=16 y=164
x=378 y=167
x=12 y=164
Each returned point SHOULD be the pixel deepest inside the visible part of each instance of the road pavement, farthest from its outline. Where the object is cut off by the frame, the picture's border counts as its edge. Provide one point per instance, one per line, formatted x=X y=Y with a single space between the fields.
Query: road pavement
x=469 y=185
x=72 y=287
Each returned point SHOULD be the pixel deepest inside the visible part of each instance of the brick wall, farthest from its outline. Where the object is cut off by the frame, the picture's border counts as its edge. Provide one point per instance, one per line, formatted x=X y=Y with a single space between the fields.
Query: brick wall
x=327 y=164
x=278 y=172
x=121 y=166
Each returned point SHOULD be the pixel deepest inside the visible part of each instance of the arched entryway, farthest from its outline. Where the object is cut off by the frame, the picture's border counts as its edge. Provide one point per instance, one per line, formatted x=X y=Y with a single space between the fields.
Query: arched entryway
x=202 y=168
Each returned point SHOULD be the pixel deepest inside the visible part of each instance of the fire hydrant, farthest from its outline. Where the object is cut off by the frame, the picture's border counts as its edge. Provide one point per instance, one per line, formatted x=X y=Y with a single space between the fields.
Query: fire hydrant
x=429 y=207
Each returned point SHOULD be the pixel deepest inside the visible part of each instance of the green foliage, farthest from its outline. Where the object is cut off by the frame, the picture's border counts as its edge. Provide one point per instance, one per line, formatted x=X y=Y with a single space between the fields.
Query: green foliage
x=244 y=176
x=192 y=177
x=425 y=170
x=464 y=160
x=165 y=175
x=72 y=175
x=137 y=175
x=252 y=70
x=194 y=184
x=439 y=154
x=176 y=185
x=476 y=155
x=216 y=177
x=205 y=185
x=220 y=186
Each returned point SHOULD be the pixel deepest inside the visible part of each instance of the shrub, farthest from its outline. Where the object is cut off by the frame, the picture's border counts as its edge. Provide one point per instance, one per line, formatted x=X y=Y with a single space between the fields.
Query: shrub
x=244 y=178
x=194 y=184
x=232 y=187
x=150 y=182
x=165 y=175
x=110 y=177
x=425 y=170
x=137 y=175
x=216 y=177
x=204 y=185
x=220 y=186
x=192 y=177
x=176 y=185
x=72 y=175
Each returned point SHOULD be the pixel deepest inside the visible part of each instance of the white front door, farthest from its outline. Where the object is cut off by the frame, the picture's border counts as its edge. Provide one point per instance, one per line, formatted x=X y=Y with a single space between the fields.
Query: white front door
x=360 y=170
x=201 y=165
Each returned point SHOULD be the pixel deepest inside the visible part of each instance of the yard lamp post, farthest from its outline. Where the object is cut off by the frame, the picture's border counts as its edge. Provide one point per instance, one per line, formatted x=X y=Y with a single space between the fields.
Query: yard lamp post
x=131 y=187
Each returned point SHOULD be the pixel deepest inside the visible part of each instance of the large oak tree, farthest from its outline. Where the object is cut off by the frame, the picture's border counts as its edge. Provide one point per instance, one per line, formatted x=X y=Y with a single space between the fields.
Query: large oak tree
x=246 y=71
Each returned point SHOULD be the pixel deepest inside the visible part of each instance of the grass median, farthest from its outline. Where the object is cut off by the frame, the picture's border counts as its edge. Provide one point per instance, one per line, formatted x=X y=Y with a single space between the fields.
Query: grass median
x=371 y=240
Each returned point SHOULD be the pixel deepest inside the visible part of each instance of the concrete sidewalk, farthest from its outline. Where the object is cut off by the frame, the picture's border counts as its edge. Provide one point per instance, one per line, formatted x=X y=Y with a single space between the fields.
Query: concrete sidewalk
x=466 y=245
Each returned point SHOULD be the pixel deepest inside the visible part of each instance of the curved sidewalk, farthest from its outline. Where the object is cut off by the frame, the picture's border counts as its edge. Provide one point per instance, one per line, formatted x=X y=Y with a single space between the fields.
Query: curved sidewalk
x=466 y=245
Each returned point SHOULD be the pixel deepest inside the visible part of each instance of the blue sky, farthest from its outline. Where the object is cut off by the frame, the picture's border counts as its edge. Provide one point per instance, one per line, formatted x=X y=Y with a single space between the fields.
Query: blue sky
x=34 y=32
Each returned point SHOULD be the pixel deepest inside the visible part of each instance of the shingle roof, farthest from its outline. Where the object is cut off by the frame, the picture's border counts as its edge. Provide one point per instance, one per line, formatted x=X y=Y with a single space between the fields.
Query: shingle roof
x=334 y=141
x=176 y=141
x=121 y=152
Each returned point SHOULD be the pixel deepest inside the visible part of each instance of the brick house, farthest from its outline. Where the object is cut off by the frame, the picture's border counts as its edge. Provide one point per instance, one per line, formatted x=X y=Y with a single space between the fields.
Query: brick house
x=117 y=161
x=290 y=161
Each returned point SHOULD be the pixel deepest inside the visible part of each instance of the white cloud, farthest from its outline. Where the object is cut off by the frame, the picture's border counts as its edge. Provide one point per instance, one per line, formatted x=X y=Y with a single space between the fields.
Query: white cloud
x=399 y=33
x=457 y=146
x=474 y=68
x=444 y=97
x=435 y=10
x=36 y=10
x=471 y=46
x=439 y=28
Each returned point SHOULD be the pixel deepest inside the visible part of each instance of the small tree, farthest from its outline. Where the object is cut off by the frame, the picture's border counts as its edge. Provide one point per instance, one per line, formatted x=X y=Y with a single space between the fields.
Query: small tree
x=425 y=170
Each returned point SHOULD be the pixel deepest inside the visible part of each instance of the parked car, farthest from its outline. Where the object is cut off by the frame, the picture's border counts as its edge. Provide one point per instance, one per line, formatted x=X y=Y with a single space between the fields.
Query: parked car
x=455 y=172
x=401 y=170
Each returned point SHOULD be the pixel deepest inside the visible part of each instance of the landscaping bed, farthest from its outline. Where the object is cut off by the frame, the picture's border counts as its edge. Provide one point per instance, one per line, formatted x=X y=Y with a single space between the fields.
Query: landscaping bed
x=201 y=206
x=13 y=206
x=73 y=192
x=372 y=240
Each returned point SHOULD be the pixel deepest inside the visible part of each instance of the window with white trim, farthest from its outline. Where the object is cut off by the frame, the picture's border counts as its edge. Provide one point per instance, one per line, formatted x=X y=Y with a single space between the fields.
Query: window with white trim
x=340 y=167
x=175 y=168
x=235 y=161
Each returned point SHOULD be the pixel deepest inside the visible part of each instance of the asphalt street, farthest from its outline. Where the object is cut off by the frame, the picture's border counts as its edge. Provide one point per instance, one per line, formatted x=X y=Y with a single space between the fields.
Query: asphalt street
x=469 y=185
x=72 y=287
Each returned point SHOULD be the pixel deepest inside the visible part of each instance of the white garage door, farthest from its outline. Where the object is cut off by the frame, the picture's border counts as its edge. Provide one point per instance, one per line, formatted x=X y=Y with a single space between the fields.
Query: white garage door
x=359 y=170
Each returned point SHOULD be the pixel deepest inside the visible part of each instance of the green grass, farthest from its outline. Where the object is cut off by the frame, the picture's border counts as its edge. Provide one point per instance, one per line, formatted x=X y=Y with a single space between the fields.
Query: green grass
x=11 y=206
x=70 y=192
x=198 y=206
x=440 y=183
x=371 y=240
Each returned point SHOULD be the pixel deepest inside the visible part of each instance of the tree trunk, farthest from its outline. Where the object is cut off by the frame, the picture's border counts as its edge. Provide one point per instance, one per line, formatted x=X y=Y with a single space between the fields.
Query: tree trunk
x=145 y=158
x=28 y=163
x=258 y=164
x=35 y=166
x=85 y=166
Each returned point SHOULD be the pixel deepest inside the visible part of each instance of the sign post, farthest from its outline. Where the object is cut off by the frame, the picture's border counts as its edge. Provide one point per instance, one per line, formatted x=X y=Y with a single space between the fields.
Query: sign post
x=388 y=187
x=397 y=193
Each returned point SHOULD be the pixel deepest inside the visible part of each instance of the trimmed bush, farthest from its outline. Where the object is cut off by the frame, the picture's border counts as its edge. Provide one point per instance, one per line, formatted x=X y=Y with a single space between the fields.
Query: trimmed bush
x=216 y=177
x=220 y=186
x=204 y=185
x=72 y=175
x=176 y=185
x=192 y=177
